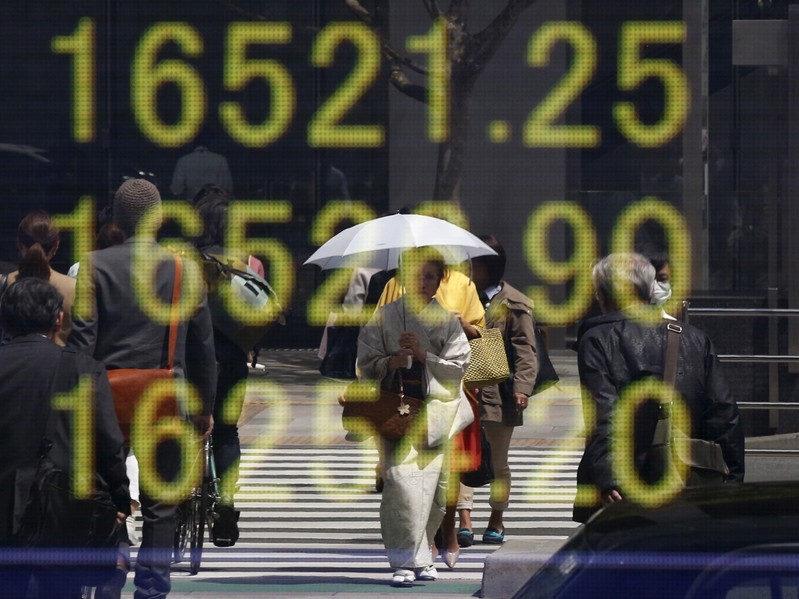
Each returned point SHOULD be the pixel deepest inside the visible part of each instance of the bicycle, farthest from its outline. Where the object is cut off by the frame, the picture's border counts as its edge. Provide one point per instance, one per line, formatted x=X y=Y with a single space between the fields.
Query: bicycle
x=197 y=512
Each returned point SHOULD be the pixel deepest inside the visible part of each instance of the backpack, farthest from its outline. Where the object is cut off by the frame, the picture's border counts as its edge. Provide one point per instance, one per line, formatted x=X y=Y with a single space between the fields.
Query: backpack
x=253 y=308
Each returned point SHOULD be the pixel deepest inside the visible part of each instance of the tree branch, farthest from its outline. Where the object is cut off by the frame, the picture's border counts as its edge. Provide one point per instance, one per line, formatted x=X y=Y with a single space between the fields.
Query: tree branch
x=432 y=8
x=241 y=12
x=402 y=83
x=458 y=9
x=360 y=11
x=397 y=61
x=486 y=43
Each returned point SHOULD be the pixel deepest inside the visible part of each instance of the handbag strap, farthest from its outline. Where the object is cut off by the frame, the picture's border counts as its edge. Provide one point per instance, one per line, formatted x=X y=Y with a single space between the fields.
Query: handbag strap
x=662 y=434
x=672 y=352
x=174 y=311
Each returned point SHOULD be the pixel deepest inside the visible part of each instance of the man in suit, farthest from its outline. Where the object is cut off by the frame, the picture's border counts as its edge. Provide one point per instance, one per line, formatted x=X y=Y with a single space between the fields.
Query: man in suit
x=126 y=325
x=32 y=369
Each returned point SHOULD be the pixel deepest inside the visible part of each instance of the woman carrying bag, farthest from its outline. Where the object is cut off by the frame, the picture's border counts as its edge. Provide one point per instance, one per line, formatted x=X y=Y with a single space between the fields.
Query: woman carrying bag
x=501 y=405
x=416 y=336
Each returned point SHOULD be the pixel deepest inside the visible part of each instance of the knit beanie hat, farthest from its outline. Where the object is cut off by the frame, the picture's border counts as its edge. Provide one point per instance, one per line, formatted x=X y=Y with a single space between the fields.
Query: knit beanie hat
x=133 y=199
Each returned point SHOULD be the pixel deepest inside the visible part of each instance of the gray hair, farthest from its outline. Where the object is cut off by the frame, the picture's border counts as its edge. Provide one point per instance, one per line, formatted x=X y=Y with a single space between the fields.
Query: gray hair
x=615 y=274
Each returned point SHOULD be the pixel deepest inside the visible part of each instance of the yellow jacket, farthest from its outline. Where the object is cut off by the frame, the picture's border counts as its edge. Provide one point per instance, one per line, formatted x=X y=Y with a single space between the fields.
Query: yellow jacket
x=456 y=293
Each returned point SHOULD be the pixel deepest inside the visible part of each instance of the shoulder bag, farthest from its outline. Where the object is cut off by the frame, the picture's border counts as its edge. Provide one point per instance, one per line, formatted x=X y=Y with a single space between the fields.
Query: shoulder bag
x=701 y=461
x=369 y=409
x=489 y=362
x=54 y=517
x=128 y=385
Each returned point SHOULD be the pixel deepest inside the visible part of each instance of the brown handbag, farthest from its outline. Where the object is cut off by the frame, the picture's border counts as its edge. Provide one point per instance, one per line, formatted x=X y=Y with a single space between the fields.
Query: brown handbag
x=128 y=385
x=369 y=410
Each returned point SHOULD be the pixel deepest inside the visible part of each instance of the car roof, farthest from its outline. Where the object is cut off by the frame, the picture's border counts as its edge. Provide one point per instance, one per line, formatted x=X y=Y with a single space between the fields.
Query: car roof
x=702 y=519
x=680 y=548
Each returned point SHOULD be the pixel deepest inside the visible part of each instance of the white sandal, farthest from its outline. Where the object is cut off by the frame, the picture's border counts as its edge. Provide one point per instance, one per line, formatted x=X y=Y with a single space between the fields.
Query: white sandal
x=403 y=578
x=428 y=573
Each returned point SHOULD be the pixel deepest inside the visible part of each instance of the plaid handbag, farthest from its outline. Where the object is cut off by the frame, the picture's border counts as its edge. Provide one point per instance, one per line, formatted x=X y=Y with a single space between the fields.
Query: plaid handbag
x=489 y=363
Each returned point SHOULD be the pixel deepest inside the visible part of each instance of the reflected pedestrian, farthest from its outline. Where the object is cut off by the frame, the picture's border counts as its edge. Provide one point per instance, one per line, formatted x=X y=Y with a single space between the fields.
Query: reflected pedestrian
x=198 y=168
x=118 y=329
x=32 y=369
x=38 y=240
x=501 y=405
x=627 y=344
x=416 y=327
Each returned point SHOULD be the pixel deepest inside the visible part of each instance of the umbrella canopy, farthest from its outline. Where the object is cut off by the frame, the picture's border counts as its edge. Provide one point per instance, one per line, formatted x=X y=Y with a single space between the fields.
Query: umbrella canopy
x=378 y=242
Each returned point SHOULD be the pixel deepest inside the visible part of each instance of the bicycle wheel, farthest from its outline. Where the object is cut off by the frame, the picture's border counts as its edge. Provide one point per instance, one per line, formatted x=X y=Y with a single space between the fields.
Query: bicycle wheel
x=199 y=517
x=183 y=527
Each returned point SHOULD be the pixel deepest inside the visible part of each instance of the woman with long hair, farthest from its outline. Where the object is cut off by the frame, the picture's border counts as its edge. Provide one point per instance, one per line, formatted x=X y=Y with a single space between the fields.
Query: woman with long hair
x=37 y=242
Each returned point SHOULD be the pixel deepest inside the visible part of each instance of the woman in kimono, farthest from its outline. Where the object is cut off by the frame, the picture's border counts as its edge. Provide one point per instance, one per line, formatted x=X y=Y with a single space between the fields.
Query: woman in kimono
x=416 y=330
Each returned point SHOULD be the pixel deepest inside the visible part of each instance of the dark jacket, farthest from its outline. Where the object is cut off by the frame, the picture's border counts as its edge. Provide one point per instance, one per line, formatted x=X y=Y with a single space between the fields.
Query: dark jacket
x=120 y=331
x=27 y=373
x=615 y=350
x=512 y=312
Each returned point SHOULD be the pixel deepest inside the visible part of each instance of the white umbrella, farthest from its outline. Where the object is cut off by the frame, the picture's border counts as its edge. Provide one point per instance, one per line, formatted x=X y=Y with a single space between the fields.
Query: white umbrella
x=378 y=242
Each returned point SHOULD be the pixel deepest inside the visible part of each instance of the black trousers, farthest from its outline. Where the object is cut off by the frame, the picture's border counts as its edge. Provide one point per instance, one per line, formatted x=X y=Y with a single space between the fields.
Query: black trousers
x=158 y=531
x=232 y=369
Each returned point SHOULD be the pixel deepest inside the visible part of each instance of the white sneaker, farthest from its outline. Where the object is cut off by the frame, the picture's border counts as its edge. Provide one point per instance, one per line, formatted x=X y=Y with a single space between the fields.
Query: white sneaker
x=428 y=573
x=403 y=578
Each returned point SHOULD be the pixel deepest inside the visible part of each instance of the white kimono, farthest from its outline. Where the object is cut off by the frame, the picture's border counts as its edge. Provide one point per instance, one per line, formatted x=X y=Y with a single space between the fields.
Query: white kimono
x=414 y=491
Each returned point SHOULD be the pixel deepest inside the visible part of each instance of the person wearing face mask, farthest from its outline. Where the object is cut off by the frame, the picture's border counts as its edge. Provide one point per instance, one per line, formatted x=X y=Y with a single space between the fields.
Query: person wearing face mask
x=617 y=351
x=661 y=292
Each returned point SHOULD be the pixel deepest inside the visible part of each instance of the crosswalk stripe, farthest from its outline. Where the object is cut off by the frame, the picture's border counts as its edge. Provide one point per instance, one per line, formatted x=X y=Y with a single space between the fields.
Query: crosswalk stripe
x=312 y=512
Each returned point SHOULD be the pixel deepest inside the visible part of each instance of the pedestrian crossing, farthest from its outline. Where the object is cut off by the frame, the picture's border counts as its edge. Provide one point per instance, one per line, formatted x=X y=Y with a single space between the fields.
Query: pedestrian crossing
x=312 y=512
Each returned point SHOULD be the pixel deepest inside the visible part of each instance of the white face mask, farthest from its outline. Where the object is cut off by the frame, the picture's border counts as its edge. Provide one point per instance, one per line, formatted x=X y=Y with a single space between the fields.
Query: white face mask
x=661 y=293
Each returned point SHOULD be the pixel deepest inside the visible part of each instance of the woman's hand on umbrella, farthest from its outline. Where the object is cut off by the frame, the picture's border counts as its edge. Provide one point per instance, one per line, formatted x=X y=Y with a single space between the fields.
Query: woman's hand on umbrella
x=400 y=359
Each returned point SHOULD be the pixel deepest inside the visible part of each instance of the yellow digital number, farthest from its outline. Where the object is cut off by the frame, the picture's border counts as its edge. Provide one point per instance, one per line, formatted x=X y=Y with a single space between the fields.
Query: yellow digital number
x=80 y=402
x=80 y=222
x=327 y=430
x=327 y=297
x=280 y=262
x=326 y=129
x=576 y=268
x=332 y=214
x=677 y=237
x=241 y=70
x=148 y=75
x=148 y=431
x=435 y=45
x=622 y=442
x=635 y=69
x=540 y=129
x=81 y=45
x=146 y=263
